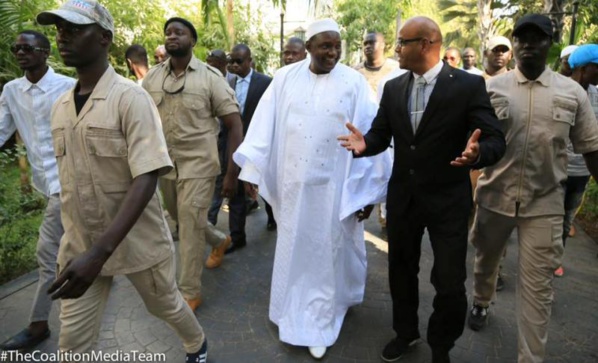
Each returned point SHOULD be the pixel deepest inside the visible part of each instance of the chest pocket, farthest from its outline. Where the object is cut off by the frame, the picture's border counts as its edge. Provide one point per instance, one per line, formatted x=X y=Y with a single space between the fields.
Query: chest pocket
x=501 y=107
x=197 y=104
x=564 y=110
x=107 y=149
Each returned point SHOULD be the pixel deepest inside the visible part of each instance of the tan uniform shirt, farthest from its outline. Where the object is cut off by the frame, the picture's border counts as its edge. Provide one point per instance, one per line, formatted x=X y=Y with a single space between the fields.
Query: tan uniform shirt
x=189 y=115
x=115 y=138
x=374 y=77
x=487 y=76
x=538 y=117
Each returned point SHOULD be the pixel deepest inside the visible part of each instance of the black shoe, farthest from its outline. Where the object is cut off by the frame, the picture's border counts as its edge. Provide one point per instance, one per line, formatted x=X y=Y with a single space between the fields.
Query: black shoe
x=396 y=348
x=24 y=340
x=440 y=356
x=235 y=246
x=500 y=283
x=271 y=226
x=201 y=356
x=478 y=316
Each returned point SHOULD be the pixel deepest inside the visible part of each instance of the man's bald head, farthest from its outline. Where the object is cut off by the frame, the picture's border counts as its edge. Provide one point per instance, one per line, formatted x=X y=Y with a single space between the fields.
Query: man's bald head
x=426 y=28
x=418 y=46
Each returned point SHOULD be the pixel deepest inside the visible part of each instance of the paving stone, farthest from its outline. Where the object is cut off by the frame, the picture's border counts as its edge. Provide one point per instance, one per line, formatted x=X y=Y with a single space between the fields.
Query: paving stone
x=235 y=311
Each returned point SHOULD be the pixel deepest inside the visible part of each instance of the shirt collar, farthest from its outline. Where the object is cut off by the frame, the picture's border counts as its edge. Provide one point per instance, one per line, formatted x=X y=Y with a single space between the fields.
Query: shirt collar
x=544 y=79
x=44 y=83
x=432 y=73
x=247 y=78
x=193 y=64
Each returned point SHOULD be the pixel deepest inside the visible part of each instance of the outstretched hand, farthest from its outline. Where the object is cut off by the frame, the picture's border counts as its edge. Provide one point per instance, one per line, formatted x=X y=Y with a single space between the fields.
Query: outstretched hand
x=472 y=151
x=354 y=141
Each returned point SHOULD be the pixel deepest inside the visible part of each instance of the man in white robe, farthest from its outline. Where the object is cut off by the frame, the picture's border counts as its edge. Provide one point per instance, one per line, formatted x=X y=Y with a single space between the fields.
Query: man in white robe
x=315 y=188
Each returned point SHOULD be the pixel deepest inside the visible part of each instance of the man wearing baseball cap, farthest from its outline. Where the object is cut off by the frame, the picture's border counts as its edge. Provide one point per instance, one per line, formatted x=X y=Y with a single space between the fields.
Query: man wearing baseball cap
x=498 y=55
x=540 y=111
x=113 y=221
x=191 y=96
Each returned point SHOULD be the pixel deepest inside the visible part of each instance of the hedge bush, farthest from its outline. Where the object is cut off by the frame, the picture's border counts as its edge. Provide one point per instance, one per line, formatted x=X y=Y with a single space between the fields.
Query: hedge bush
x=21 y=214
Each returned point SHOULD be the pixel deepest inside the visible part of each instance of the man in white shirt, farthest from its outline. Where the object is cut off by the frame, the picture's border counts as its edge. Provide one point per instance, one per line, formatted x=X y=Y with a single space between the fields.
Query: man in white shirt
x=136 y=56
x=25 y=105
x=469 y=62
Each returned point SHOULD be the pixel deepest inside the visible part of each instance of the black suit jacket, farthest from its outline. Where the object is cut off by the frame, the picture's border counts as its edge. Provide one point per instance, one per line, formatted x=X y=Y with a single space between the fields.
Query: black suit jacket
x=258 y=85
x=458 y=105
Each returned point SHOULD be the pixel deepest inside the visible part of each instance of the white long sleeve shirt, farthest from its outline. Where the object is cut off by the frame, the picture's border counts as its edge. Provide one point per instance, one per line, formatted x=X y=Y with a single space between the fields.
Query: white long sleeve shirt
x=26 y=107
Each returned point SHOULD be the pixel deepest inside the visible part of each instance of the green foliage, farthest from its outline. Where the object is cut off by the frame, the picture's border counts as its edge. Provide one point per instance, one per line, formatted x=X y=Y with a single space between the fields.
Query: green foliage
x=357 y=17
x=589 y=208
x=20 y=217
x=462 y=15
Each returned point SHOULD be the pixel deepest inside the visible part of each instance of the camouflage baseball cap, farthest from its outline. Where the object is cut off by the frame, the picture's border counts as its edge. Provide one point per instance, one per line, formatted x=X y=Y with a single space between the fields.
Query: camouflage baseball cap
x=80 y=12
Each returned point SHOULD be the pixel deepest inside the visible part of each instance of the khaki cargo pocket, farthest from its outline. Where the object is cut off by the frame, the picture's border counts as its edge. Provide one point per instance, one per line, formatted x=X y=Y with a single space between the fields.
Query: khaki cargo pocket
x=564 y=110
x=501 y=107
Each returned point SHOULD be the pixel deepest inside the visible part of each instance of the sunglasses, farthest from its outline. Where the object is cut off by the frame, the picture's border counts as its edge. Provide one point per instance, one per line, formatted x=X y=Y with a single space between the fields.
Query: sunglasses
x=235 y=60
x=450 y=58
x=175 y=91
x=26 y=48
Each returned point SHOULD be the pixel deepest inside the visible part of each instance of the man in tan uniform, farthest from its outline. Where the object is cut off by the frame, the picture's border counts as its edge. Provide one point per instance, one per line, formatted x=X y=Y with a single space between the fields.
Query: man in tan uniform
x=376 y=65
x=110 y=152
x=191 y=96
x=540 y=111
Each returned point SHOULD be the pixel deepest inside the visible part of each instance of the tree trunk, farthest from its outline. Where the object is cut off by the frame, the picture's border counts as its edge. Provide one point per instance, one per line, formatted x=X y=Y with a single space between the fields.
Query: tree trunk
x=485 y=30
x=230 y=23
x=554 y=9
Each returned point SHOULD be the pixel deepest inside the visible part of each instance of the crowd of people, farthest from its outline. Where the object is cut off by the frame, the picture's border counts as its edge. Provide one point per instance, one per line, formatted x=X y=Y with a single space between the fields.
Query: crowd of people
x=113 y=157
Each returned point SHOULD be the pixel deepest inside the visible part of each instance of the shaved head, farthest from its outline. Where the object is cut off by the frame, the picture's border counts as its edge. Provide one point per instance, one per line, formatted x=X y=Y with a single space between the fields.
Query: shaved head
x=418 y=46
x=426 y=28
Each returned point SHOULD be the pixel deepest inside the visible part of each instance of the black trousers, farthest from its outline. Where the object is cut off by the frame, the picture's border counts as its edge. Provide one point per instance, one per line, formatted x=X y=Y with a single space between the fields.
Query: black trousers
x=444 y=212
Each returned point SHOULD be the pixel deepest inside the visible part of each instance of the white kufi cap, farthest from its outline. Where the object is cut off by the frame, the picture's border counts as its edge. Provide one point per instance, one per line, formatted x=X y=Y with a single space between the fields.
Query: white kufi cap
x=321 y=26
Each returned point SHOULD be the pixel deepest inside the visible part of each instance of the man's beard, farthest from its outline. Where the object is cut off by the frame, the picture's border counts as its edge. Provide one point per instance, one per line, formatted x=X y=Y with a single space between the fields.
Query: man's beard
x=178 y=53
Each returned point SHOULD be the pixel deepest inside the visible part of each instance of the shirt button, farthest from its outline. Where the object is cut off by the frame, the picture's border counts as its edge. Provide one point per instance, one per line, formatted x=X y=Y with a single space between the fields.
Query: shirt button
x=412 y=147
x=411 y=171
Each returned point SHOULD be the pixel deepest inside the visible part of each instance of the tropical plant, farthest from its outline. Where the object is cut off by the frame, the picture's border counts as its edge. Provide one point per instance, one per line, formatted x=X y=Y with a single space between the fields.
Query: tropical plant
x=357 y=17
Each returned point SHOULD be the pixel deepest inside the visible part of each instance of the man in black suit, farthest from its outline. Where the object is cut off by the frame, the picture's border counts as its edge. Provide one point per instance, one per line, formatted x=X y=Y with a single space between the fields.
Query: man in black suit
x=249 y=86
x=442 y=124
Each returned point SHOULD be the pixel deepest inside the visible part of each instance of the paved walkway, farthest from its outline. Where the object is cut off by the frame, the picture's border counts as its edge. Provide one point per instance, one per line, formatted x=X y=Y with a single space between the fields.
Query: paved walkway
x=235 y=311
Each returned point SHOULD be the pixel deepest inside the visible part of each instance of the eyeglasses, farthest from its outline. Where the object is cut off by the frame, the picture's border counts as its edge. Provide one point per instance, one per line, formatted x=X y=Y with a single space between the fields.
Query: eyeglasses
x=403 y=42
x=235 y=60
x=26 y=48
x=449 y=58
x=176 y=91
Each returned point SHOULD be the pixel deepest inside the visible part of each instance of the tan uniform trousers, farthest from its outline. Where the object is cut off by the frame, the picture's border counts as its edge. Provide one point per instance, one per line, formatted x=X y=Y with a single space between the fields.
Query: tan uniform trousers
x=187 y=202
x=81 y=318
x=540 y=252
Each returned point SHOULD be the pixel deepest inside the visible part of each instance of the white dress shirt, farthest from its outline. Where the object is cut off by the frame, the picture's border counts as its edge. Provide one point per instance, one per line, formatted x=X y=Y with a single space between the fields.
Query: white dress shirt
x=430 y=76
x=26 y=107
